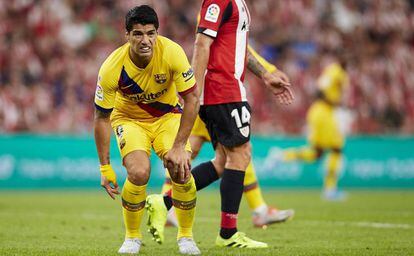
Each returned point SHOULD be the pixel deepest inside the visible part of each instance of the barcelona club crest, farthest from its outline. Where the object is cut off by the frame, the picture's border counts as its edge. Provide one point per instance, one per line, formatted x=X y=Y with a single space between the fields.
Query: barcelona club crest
x=160 y=78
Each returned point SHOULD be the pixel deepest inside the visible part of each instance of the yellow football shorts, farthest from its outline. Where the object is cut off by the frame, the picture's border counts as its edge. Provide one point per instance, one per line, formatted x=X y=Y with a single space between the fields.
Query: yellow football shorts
x=323 y=127
x=199 y=129
x=134 y=135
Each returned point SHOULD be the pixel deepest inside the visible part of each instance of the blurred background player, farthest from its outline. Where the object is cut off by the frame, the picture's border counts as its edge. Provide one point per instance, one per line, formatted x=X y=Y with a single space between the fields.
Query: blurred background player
x=136 y=94
x=262 y=214
x=325 y=135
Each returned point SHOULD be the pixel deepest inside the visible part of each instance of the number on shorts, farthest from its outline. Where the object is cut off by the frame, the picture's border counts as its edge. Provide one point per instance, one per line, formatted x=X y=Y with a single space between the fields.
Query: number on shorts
x=244 y=118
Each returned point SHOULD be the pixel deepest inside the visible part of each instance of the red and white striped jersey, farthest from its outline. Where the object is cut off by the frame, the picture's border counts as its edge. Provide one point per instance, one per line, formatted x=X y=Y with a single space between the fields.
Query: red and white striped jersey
x=227 y=21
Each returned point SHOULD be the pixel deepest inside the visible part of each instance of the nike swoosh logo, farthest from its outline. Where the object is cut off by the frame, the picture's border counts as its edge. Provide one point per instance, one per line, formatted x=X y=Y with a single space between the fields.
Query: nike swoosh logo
x=125 y=87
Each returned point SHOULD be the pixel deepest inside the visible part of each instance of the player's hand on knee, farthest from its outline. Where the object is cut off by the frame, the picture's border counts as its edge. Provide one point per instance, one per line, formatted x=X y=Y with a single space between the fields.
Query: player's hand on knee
x=178 y=162
x=108 y=180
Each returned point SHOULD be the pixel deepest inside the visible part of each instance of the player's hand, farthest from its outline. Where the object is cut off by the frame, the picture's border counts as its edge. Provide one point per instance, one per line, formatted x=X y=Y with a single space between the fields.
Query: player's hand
x=108 y=180
x=178 y=163
x=282 y=75
x=280 y=86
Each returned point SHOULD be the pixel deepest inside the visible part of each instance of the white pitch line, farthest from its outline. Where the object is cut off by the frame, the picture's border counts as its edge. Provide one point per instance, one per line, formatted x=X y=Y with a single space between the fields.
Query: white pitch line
x=383 y=225
x=336 y=223
x=361 y=224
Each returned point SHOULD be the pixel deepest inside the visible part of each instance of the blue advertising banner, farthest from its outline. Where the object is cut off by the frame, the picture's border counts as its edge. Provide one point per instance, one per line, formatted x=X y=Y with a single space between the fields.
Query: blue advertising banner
x=33 y=161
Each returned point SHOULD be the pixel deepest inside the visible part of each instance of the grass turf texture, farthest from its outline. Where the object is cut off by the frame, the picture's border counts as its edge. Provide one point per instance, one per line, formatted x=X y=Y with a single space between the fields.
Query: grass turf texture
x=90 y=223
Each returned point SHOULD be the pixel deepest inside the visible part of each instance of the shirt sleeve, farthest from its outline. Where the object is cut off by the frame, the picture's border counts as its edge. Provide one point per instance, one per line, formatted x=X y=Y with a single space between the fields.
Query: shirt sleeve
x=183 y=74
x=268 y=66
x=213 y=13
x=106 y=88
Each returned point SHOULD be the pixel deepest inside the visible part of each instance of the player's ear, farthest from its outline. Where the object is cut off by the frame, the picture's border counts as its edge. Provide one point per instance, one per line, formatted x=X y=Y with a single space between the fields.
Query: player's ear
x=127 y=35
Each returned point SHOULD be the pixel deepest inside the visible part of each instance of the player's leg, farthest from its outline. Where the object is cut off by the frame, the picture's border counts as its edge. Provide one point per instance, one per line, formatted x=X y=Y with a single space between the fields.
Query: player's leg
x=134 y=145
x=308 y=154
x=335 y=139
x=262 y=214
x=333 y=164
x=133 y=196
x=229 y=127
x=204 y=174
x=231 y=190
x=199 y=135
x=251 y=189
x=183 y=193
x=315 y=118
x=231 y=186
x=196 y=143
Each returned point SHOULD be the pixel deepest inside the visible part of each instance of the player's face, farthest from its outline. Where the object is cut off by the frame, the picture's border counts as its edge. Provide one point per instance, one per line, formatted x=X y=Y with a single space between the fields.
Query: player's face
x=142 y=39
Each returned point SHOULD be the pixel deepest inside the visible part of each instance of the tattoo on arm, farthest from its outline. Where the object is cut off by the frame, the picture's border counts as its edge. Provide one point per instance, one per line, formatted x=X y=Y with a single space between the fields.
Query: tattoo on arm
x=101 y=115
x=254 y=66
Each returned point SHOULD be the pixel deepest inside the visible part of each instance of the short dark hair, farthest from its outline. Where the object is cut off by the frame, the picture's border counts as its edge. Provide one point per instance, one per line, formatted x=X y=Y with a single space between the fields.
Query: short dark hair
x=143 y=14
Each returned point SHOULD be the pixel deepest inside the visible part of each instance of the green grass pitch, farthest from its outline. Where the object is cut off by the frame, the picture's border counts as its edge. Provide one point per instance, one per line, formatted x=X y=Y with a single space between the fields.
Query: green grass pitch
x=90 y=223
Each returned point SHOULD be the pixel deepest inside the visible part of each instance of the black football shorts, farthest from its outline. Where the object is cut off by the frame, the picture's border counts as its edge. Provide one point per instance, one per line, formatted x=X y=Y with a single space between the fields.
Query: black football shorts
x=227 y=123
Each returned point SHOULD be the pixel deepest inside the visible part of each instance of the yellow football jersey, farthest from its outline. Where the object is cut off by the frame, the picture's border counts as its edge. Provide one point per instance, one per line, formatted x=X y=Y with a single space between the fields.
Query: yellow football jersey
x=269 y=67
x=144 y=94
x=332 y=82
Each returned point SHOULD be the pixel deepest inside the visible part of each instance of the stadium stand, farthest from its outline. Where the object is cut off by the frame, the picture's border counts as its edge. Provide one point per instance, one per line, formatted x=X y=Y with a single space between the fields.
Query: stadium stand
x=50 y=52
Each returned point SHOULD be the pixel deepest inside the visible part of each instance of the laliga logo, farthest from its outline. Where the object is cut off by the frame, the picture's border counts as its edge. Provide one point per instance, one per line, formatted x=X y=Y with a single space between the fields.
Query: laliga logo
x=213 y=10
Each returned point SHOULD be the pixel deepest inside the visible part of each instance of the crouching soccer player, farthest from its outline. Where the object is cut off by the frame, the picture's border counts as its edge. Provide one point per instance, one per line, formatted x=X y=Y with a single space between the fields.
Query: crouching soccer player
x=136 y=94
x=262 y=214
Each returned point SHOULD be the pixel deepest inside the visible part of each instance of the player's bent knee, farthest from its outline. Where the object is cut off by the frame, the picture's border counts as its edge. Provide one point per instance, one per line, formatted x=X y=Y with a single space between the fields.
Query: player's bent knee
x=138 y=167
x=138 y=176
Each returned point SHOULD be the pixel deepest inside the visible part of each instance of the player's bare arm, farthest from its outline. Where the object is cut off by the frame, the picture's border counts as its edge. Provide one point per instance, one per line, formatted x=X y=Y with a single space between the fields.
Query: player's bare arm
x=276 y=81
x=102 y=132
x=201 y=55
x=178 y=158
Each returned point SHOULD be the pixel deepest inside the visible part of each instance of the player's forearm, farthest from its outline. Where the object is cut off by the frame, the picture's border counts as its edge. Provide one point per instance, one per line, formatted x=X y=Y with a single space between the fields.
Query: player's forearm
x=102 y=132
x=269 y=67
x=254 y=65
x=191 y=108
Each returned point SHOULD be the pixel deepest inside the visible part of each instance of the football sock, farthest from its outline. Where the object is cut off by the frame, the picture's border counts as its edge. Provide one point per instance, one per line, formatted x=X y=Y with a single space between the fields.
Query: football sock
x=168 y=200
x=333 y=165
x=307 y=154
x=133 y=203
x=204 y=174
x=251 y=189
x=184 y=201
x=231 y=191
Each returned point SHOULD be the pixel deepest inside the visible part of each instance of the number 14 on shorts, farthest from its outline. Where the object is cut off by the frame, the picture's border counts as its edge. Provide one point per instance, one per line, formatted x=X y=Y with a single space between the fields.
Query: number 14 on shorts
x=242 y=119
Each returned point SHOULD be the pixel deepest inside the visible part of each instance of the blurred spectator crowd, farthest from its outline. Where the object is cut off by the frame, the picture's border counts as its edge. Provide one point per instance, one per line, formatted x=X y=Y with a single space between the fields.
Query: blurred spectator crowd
x=51 y=51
